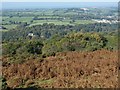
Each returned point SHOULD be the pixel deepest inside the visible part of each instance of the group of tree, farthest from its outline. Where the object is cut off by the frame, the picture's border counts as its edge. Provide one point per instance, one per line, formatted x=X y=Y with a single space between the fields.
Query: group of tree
x=71 y=42
x=48 y=30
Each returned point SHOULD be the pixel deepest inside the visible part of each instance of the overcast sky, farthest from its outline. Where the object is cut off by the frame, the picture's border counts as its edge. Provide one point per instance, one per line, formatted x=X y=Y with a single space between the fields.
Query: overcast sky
x=60 y=0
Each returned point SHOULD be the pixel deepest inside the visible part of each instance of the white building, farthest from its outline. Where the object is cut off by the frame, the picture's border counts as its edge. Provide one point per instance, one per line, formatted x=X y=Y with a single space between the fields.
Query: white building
x=31 y=34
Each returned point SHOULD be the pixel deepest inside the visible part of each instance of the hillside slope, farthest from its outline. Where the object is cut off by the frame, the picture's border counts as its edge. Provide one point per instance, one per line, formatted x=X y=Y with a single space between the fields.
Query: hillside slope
x=65 y=70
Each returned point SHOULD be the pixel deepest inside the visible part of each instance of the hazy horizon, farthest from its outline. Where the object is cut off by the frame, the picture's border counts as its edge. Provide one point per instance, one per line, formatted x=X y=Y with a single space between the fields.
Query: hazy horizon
x=33 y=5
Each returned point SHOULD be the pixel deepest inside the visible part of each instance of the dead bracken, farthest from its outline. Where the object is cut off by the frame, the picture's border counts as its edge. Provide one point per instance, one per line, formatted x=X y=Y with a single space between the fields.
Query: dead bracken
x=72 y=71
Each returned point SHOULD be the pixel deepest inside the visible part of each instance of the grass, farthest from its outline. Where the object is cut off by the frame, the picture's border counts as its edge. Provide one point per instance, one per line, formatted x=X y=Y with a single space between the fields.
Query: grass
x=64 y=22
x=49 y=81
x=48 y=16
x=84 y=22
x=19 y=19
x=9 y=27
x=5 y=30
x=56 y=22
x=71 y=13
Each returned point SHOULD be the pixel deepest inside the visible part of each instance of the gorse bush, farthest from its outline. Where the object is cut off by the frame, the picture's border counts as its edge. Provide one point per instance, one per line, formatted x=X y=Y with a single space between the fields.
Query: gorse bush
x=34 y=47
x=30 y=46
x=74 y=42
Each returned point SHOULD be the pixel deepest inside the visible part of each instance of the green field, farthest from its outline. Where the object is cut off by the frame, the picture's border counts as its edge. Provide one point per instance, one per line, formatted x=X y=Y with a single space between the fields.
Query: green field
x=10 y=26
x=64 y=22
x=19 y=19
x=71 y=16
x=6 y=21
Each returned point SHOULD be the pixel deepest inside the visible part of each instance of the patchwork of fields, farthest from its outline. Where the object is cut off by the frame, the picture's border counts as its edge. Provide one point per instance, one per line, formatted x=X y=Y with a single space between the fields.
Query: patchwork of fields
x=72 y=16
x=40 y=22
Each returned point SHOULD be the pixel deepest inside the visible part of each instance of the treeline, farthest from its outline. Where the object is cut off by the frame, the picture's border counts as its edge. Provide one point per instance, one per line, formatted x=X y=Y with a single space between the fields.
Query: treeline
x=47 y=30
x=38 y=18
x=14 y=22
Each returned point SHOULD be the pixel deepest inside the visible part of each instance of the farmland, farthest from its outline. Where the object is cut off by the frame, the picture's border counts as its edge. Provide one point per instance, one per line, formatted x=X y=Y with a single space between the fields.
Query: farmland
x=73 y=16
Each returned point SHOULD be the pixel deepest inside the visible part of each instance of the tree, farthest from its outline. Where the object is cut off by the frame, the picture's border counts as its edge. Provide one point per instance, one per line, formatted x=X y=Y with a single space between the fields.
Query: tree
x=34 y=47
x=31 y=21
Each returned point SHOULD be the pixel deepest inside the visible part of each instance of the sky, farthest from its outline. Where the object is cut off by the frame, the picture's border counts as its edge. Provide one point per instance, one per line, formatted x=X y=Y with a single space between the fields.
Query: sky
x=23 y=5
x=16 y=4
x=60 y=0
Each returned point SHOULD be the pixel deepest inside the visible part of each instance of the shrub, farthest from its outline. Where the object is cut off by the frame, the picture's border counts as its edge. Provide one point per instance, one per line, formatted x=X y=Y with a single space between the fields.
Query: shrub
x=74 y=42
x=3 y=83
